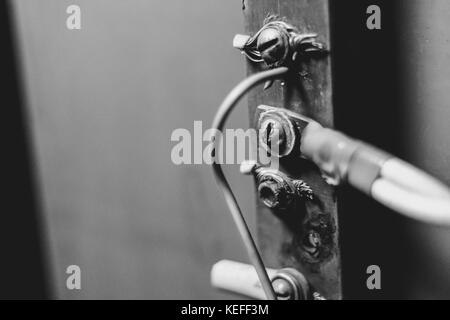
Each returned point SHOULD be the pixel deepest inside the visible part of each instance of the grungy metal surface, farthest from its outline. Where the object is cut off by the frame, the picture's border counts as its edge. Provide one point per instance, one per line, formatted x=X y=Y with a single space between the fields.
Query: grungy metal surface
x=284 y=237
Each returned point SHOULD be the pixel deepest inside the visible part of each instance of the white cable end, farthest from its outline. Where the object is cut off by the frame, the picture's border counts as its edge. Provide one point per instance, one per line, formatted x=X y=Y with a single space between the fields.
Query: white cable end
x=240 y=40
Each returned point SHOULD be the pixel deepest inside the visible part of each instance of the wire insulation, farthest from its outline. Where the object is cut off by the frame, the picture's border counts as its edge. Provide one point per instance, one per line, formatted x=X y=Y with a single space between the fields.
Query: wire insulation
x=408 y=176
x=415 y=205
x=389 y=180
x=218 y=124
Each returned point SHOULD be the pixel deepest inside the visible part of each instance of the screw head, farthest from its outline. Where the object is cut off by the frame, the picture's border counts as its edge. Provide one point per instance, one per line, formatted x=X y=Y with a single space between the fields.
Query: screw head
x=312 y=244
x=272 y=45
x=277 y=134
x=314 y=239
x=270 y=194
x=274 y=190
x=272 y=134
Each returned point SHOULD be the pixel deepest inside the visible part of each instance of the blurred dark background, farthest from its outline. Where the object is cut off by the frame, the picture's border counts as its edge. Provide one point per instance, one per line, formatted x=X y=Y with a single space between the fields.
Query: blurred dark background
x=369 y=103
x=89 y=180
x=23 y=265
x=391 y=89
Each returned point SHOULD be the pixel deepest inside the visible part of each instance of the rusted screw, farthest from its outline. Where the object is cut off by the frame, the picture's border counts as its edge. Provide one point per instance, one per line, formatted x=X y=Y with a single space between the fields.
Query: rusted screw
x=273 y=134
x=273 y=45
x=313 y=243
x=314 y=239
x=275 y=189
x=271 y=194
x=276 y=133
x=277 y=44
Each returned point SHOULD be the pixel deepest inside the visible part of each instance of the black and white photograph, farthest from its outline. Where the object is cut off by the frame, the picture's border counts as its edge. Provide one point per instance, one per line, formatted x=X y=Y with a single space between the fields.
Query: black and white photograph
x=220 y=154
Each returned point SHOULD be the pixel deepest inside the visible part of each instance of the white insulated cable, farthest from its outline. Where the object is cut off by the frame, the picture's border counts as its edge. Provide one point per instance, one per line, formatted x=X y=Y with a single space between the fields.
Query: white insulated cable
x=412 y=178
x=417 y=205
x=389 y=180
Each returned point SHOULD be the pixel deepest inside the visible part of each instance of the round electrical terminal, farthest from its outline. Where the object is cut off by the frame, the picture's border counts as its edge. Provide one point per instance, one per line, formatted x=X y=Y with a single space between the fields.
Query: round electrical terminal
x=276 y=133
x=273 y=44
x=290 y=284
x=275 y=190
x=271 y=194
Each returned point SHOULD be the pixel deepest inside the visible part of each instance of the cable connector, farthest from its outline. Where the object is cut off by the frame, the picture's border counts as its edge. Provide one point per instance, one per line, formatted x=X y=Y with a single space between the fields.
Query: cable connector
x=391 y=181
x=342 y=159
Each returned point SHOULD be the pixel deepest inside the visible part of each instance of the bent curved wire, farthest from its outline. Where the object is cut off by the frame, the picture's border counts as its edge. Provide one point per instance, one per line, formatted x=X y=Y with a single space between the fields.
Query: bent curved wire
x=218 y=123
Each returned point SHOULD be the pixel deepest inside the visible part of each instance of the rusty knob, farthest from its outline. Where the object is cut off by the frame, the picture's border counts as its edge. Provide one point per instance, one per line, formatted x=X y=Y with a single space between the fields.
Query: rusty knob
x=273 y=44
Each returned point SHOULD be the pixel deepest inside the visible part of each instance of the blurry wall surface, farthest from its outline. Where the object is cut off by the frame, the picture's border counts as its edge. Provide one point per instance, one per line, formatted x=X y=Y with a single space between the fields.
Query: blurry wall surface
x=426 y=71
x=102 y=104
